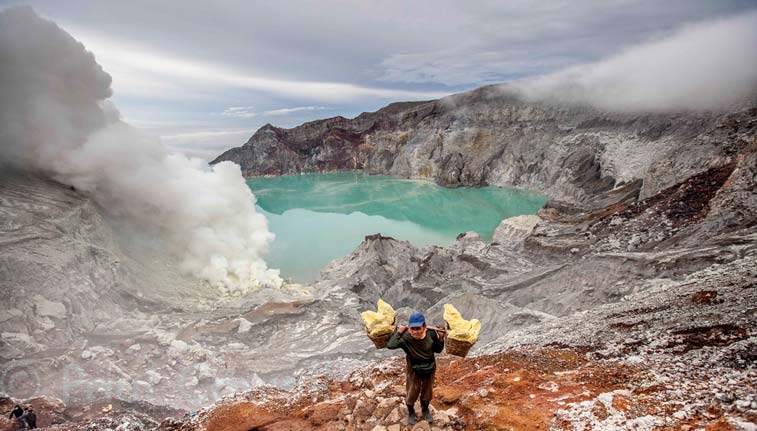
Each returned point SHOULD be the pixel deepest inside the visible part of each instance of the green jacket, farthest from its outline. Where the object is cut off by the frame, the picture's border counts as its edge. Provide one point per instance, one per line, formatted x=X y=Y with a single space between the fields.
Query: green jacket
x=420 y=353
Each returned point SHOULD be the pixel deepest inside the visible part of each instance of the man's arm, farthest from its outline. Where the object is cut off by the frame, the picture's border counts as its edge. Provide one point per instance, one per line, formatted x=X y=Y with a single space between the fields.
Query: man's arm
x=395 y=341
x=438 y=344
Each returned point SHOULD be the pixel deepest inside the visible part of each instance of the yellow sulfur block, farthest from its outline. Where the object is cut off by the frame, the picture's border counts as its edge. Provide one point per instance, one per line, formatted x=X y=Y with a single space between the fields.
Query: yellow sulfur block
x=379 y=322
x=459 y=328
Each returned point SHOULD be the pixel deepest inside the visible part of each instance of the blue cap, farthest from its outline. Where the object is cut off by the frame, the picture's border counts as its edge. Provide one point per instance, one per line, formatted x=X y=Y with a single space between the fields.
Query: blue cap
x=416 y=320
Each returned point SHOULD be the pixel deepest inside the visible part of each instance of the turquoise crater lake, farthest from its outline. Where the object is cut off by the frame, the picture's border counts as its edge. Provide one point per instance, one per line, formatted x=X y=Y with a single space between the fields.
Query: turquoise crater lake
x=320 y=217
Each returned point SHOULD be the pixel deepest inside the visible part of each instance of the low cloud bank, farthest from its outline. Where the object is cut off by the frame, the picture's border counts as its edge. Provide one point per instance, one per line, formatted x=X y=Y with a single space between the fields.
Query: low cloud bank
x=706 y=66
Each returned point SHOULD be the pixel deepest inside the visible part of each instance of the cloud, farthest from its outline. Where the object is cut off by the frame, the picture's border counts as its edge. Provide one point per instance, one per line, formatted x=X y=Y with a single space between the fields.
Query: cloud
x=709 y=65
x=139 y=71
x=240 y=112
x=466 y=66
x=357 y=56
x=502 y=41
x=347 y=42
x=287 y=111
x=205 y=144
x=56 y=119
x=249 y=111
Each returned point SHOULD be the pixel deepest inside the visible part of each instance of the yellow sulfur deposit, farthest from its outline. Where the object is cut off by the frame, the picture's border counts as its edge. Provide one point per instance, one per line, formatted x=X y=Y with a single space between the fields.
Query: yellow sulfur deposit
x=381 y=322
x=459 y=328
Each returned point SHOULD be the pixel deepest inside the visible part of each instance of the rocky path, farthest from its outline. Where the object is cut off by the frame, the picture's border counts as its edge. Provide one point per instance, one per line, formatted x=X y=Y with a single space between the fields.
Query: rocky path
x=528 y=389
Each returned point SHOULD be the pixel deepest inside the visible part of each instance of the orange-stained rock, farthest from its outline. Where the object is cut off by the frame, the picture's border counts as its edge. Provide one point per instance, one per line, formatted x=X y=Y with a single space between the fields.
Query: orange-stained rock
x=599 y=410
x=448 y=394
x=49 y=410
x=621 y=403
x=7 y=424
x=323 y=413
x=720 y=425
x=242 y=416
x=288 y=425
x=364 y=408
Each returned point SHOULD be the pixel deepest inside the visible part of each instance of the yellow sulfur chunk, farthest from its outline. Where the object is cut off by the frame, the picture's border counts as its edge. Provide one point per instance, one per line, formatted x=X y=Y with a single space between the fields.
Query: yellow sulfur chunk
x=381 y=322
x=459 y=328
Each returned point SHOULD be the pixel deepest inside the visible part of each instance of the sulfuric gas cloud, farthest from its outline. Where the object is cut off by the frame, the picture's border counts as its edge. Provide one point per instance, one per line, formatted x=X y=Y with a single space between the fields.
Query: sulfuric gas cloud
x=55 y=118
x=706 y=66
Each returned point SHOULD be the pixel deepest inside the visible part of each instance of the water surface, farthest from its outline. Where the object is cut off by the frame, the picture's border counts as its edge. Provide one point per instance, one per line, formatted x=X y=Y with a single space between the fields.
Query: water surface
x=320 y=217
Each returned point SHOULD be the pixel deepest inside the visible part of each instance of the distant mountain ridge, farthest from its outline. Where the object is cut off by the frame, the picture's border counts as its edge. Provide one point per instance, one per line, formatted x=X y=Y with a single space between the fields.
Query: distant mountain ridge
x=492 y=136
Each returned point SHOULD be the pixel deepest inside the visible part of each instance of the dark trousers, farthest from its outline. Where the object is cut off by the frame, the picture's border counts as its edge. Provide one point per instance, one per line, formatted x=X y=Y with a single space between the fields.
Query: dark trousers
x=419 y=385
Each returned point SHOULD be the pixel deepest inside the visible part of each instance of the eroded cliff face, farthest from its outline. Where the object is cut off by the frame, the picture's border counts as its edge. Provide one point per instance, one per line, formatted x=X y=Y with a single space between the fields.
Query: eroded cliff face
x=648 y=263
x=491 y=136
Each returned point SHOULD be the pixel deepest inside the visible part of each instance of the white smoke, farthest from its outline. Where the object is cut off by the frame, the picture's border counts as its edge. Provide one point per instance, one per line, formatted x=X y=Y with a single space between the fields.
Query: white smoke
x=54 y=117
x=706 y=66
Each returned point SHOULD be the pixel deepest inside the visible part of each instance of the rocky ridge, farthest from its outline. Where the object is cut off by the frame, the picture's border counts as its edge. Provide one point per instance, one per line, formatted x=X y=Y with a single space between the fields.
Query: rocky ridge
x=610 y=294
x=492 y=136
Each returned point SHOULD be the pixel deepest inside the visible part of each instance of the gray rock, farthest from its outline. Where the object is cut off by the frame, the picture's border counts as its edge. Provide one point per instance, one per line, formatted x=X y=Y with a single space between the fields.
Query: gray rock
x=491 y=136
x=244 y=326
x=118 y=288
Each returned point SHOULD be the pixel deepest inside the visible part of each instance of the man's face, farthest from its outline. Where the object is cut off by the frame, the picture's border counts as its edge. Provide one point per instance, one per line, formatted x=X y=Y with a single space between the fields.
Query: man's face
x=418 y=333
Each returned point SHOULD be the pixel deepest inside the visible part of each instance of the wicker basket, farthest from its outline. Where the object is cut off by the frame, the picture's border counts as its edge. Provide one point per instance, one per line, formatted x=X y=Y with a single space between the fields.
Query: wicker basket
x=379 y=341
x=457 y=347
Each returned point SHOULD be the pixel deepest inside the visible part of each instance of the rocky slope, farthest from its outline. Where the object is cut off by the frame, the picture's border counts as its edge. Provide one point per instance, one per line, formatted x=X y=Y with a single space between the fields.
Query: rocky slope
x=593 y=309
x=652 y=290
x=91 y=311
x=678 y=355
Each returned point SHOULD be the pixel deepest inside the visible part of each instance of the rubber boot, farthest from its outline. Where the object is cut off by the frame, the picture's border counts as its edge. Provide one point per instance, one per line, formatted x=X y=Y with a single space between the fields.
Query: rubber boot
x=426 y=413
x=411 y=419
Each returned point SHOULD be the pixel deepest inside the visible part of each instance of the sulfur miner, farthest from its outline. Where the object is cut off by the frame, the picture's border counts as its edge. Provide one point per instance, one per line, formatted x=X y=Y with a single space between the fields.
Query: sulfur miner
x=420 y=343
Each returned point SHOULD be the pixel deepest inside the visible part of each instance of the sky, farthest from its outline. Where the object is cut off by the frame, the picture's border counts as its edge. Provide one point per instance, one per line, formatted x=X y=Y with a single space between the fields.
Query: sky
x=205 y=75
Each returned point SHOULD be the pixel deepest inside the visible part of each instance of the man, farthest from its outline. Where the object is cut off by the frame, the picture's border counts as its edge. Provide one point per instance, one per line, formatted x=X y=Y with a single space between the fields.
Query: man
x=16 y=412
x=31 y=418
x=419 y=345
x=19 y=415
x=24 y=419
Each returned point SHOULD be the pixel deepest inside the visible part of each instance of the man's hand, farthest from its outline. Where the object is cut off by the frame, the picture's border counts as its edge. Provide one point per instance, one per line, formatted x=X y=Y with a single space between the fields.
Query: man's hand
x=441 y=332
x=402 y=329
